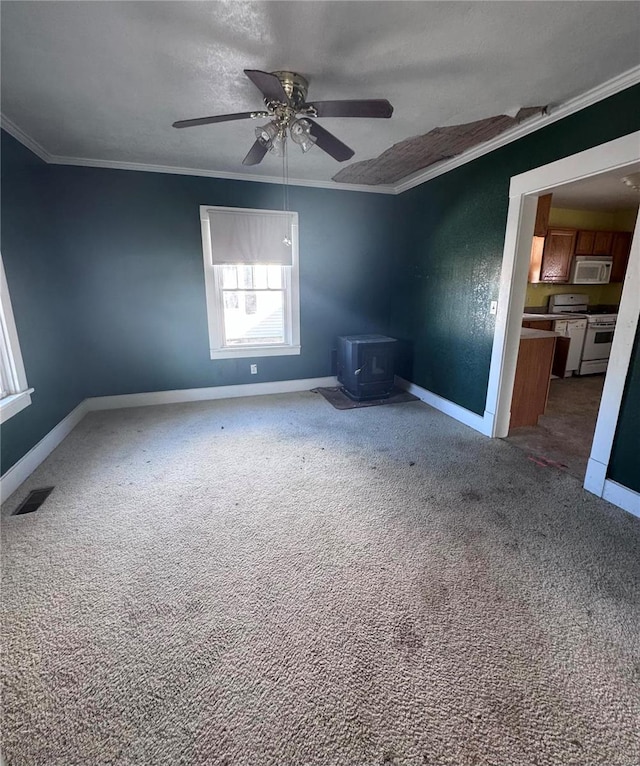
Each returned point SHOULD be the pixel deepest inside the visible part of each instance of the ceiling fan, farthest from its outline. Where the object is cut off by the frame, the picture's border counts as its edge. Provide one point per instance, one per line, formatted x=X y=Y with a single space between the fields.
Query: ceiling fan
x=285 y=96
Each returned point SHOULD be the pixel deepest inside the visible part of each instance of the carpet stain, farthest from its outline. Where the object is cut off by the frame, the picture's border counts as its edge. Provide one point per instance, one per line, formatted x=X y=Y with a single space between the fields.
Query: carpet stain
x=405 y=634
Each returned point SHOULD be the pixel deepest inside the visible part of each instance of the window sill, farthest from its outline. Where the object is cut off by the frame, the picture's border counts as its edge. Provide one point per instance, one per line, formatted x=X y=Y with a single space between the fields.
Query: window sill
x=11 y=405
x=249 y=352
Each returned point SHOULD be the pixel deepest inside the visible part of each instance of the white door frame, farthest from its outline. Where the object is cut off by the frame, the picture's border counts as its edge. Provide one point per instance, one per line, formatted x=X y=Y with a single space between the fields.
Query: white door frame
x=523 y=199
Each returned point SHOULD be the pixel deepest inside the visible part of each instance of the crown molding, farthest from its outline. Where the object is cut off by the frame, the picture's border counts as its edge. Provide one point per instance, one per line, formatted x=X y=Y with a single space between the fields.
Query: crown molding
x=179 y=171
x=26 y=140
x=600 y=92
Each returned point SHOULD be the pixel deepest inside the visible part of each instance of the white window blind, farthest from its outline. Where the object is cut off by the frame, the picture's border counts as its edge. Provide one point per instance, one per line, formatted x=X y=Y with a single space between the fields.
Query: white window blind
x=254 y=238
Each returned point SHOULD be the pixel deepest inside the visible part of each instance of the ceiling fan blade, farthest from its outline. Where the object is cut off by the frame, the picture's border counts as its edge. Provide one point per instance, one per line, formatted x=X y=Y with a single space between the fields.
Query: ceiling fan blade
x=255 y=155
x=329 y=143
x=218 y=118
x=375 y=107
x=269 y=85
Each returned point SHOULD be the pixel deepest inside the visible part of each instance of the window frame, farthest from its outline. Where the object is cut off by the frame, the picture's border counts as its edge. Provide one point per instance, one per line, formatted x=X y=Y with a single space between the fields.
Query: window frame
x=215 y=295
x=19 y=395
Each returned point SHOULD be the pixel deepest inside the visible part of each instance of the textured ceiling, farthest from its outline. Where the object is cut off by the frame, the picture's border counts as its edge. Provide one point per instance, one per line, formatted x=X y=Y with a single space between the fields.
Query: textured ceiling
x=605 y=191
x=105 y=80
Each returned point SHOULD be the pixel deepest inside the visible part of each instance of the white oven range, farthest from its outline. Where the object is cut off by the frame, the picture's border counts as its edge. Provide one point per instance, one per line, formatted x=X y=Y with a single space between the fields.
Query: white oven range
x=597 y=343
x=598 y=336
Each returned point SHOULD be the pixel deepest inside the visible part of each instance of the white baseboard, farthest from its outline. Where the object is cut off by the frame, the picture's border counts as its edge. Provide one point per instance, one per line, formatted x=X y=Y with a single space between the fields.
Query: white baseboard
x=20 y=471
x=204 y=394
x=595 y=477
x=621 y=496
x=471 y=419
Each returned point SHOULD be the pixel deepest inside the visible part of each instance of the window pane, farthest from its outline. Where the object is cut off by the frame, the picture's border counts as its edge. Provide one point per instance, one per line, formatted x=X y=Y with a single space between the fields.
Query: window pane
x=230 y=277
x=260 y=277
x=245 y=277
x=259 y=319
x=274 y=277
x=231 y=300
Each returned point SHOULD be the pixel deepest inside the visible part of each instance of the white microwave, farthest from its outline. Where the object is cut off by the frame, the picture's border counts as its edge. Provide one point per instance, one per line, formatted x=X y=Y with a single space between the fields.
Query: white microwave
x=588 y=270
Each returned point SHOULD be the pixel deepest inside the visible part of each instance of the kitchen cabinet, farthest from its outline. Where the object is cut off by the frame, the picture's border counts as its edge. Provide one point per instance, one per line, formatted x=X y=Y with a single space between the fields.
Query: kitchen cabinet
x=540 y=231
x=533 y=375
x=620 y=249
x=584 y=242
x=552 y=255
x=594 y=242
x=602 y=243
x=538 y=324
x=542 y=215
x=559 y=247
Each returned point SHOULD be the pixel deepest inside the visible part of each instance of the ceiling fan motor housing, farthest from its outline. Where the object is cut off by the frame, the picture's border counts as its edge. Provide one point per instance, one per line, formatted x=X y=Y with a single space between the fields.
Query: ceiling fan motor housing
x=294 y=85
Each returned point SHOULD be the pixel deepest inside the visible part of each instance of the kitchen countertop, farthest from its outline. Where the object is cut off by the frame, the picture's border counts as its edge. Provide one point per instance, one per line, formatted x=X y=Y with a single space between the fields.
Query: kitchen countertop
x=553 y=317
x=528 y=333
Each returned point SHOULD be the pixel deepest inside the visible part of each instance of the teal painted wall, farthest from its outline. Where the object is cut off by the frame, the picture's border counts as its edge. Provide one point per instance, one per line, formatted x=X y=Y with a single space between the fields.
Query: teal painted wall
x=453 y=251
x=41 y=292
x=132 y=241
x=624 y=466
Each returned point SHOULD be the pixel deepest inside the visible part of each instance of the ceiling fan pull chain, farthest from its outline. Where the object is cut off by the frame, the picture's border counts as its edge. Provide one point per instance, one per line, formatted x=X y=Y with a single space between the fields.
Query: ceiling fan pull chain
x=285 y=192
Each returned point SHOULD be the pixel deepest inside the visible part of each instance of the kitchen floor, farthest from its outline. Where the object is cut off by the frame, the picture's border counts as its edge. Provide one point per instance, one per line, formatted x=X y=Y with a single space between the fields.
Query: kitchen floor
x=564 y=433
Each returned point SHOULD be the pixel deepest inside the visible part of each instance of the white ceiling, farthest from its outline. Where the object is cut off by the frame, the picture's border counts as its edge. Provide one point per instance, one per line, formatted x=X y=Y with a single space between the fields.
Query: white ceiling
x=105 y=80
x=605 y=191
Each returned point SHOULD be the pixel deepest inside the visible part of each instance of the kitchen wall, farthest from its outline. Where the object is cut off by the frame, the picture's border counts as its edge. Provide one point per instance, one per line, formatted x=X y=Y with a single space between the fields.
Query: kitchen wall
x=538 y=294
x=601 y=220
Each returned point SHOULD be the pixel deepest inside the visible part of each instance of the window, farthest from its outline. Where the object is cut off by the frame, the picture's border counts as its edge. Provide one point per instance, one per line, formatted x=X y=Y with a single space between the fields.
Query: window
x=15 y=395
x=251 y=280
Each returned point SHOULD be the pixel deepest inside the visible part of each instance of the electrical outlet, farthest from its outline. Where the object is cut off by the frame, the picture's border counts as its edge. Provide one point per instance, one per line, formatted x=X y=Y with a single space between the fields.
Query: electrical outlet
x=493 y=308
x=254 y=369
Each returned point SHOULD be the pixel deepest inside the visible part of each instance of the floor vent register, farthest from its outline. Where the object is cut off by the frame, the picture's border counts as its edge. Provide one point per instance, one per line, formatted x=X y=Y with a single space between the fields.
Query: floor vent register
x=33 y=501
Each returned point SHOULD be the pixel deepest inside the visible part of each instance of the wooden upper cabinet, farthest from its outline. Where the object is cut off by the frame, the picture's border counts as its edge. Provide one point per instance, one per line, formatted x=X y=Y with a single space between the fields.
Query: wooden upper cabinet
x=602 y=242
x=559 y=248
x=584 y=242
x=542 y=215
x=594 y=242
x=620 y=247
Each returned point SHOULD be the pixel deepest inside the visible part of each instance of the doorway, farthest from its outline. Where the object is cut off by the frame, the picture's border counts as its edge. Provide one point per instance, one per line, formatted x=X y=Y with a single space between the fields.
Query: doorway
x=617 y=156
x=596 y=217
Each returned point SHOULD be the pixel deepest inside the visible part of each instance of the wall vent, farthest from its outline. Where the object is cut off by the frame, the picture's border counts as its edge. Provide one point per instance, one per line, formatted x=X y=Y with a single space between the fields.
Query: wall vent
x=33 y=501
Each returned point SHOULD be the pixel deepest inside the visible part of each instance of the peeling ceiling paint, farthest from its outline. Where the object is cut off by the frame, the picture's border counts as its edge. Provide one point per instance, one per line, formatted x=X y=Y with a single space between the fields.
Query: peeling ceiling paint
x=413 y=154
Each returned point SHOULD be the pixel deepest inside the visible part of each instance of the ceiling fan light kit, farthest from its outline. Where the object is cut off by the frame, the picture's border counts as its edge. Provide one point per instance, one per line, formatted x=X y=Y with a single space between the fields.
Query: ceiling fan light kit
x=285 y=95
x=271 y=137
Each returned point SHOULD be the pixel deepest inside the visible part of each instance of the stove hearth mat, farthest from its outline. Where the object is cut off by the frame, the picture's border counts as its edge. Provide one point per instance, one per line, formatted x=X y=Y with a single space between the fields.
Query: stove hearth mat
x=338 y=399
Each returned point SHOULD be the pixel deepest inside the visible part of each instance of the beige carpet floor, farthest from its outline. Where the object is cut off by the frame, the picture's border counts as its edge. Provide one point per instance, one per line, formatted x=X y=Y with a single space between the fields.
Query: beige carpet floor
x=273 y=582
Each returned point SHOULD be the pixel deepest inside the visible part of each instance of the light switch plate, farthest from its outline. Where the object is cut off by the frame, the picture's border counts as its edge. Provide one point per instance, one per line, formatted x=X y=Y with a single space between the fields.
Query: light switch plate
x=493 y=307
